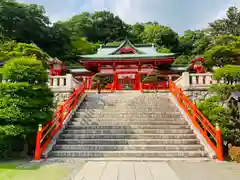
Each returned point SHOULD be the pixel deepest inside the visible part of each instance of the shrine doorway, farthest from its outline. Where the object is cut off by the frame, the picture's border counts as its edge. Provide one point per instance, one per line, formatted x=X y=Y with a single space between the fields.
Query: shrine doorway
x=126 y=81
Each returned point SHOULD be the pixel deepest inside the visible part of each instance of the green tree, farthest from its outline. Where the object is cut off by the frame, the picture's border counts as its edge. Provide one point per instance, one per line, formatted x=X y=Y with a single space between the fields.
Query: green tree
x=162 y=36
x=214 y=108
x=184 y=59
x=26 y=101
x=82 y=46
x=225 y=50
x=194 y=42
x=228 y=25
x=22 y=22
x=11 y=49
x=101 y=26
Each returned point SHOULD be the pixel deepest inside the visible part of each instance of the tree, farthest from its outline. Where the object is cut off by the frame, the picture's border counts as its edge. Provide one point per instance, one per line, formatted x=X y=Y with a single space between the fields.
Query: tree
x=82 y=46
x=184 y=59
x=194 y=42
x=162 y=36
x=230 y=25
x=26 y=101
x=164 y=50
x=135 y=33
x=22 y=22
x=102 y=26
x=11 y=49
x=214 y=108
x=225 y=50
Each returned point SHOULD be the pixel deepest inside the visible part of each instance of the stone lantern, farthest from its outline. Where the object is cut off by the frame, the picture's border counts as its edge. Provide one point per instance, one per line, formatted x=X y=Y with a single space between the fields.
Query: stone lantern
x=56 y=67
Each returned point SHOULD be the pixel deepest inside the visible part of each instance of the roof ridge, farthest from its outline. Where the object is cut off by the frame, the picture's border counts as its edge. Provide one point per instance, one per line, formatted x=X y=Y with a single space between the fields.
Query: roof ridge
x=125 y=42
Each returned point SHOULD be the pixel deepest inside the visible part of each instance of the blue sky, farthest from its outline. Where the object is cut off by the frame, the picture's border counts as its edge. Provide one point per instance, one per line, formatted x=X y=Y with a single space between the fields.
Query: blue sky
x=179 y=14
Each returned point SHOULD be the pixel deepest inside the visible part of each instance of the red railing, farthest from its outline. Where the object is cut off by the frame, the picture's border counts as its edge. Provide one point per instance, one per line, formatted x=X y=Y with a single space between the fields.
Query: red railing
x=46 y=133
x=155 y=86
x=209 y=132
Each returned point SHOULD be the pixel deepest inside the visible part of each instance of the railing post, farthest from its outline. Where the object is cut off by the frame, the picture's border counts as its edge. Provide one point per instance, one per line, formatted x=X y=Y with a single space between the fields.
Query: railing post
x=220 y=156
x=38 y=143
x=185 y=80
x=69 y=82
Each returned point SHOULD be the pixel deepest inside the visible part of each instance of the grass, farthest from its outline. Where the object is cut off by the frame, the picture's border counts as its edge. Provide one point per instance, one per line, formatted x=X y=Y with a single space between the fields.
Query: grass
x=32 y=171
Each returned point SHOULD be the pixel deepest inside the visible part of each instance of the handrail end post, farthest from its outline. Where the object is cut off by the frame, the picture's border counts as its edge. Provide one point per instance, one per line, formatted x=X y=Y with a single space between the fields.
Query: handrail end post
x=220 y=156
x=38 y=143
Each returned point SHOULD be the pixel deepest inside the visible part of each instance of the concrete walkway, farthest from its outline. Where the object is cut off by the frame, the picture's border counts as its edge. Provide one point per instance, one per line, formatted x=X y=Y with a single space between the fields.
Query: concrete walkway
x=159 y=171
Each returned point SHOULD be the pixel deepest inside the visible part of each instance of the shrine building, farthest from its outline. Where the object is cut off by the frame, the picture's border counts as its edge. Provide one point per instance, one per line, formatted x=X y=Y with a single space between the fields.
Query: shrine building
x=128 y=66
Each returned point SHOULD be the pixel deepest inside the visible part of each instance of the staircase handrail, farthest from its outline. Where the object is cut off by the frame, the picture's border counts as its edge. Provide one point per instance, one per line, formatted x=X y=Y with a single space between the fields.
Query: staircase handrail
x=211 y=134
x=46 y=133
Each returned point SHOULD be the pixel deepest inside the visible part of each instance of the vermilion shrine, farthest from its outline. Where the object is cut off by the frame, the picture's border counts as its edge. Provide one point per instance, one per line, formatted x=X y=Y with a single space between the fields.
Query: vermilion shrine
x=129 y=66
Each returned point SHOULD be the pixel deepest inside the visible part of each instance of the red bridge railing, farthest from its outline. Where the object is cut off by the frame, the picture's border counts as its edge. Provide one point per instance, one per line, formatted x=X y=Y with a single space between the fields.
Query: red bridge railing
x=46 y=133
x=209 y=132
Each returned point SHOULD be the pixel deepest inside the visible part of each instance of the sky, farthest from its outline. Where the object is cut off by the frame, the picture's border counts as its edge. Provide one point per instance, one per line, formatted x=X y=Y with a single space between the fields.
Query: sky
x=180 y=15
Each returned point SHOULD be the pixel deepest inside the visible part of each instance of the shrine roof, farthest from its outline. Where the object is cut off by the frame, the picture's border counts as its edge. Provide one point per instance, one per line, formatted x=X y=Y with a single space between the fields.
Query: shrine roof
x=126 y=56
x=114 y=52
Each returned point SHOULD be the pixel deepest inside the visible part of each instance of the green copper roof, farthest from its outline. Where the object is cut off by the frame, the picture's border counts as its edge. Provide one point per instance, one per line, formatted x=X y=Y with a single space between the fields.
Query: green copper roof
x=113 y=52
x=127 y=56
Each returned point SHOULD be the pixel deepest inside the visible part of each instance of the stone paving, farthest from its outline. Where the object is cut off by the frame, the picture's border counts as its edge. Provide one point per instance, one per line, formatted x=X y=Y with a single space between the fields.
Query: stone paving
x=175 y=170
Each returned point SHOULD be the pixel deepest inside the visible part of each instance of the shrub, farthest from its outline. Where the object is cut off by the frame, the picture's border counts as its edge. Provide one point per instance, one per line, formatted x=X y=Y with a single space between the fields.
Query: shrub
x=26 y=100
x=229 y=74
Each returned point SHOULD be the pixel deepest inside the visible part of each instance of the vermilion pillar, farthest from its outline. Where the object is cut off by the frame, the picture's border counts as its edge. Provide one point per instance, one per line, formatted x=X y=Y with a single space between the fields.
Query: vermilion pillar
x=115 y=80
x=138 y=79
x=89 y=82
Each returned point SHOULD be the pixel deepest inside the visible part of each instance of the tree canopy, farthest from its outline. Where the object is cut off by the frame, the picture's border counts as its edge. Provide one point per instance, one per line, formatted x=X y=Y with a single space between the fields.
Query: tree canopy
x=82 y=34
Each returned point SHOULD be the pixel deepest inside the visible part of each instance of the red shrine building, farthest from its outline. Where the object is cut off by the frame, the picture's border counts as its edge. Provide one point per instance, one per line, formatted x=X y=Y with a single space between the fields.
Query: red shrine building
x=129 y=66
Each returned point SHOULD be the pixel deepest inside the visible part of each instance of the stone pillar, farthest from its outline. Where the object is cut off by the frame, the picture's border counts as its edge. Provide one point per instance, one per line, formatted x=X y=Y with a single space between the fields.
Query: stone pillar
x=185 y=80
x=69 y=82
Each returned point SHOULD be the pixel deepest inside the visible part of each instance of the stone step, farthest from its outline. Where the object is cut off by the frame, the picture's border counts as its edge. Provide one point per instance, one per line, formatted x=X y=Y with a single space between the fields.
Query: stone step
x=132 y=116
x=148 y=154
x=126 y=111
x=128 y=119
x=129 y=110
x=128 y=141
x=132 y=159
x=127 y=136
x=127 y=122
x=126 y=131
x=129 y=127
x=129 y=147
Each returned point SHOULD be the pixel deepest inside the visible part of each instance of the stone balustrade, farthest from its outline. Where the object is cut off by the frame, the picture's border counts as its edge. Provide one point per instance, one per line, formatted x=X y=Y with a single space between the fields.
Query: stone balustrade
x=191 y=81
x=62 y=87
x=63 y=83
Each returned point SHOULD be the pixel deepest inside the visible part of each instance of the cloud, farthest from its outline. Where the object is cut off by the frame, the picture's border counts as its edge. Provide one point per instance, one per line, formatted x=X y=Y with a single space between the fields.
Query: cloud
x=179 y=14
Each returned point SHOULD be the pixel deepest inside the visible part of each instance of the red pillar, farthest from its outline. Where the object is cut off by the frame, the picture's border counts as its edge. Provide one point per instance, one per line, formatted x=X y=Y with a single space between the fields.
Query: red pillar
x=138 y=79
x=115 y=80
x=89 y=82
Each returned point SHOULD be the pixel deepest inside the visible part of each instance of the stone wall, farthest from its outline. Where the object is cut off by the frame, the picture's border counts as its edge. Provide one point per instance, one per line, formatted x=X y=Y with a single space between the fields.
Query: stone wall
x=60 y=97
x=198 y=95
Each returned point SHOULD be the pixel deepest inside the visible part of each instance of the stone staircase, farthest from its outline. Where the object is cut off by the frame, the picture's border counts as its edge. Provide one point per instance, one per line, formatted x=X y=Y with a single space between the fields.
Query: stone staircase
x=129 y=126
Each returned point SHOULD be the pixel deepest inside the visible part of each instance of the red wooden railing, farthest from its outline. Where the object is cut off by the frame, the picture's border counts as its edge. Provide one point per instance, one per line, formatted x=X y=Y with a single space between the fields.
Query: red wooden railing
x=209 y=132
x=155 y=86
x=46 y=133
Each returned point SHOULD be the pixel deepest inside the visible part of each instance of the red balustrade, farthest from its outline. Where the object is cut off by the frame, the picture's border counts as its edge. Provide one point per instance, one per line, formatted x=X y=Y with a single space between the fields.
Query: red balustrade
x=209 y=132
x=46 y=133
x=155 y=86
